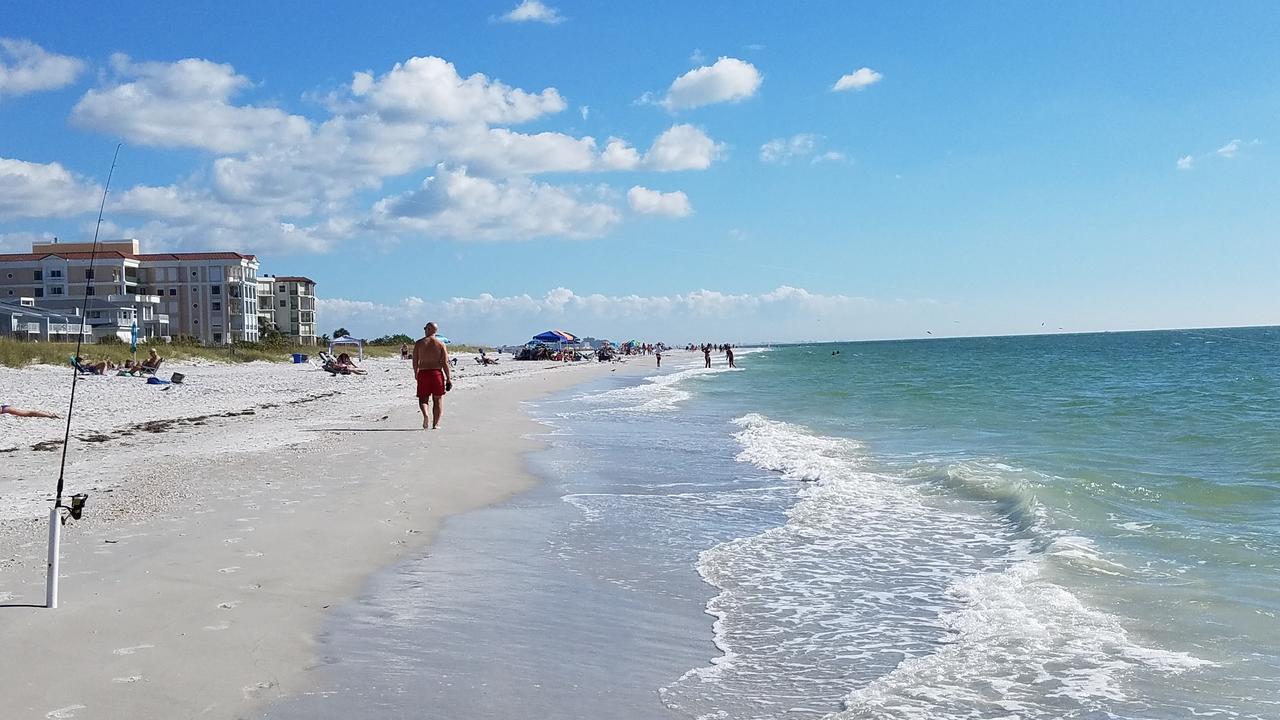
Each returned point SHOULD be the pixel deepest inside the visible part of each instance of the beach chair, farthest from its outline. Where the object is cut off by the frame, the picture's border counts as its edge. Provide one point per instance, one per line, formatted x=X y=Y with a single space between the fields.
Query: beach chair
x=146 y=369
x=82 y=369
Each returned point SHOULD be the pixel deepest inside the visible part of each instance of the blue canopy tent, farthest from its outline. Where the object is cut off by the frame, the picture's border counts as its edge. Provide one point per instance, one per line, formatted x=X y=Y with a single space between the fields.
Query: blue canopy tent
x=555 y=336
x=559 y=338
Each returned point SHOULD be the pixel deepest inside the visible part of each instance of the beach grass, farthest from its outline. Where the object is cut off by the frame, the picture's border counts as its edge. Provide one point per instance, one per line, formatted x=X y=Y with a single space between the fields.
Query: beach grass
x=15 y=353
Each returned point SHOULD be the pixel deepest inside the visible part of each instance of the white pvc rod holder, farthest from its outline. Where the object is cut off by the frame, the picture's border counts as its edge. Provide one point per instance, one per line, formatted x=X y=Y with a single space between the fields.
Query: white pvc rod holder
x=55 y=551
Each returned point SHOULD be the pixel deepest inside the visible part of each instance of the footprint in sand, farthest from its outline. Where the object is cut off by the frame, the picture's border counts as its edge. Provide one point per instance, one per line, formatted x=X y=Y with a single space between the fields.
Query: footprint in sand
x=130 y=650
x=232 y=541
x=130 y=679
x=253 y=691
x=229 y=570
x=63 y=713
x=255 y=586
x=224 y=625
x=229 y=605
x=254 y=553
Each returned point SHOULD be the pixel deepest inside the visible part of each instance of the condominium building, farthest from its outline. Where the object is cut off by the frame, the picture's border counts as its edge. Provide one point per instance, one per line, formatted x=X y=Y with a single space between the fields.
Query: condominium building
x=208 y=296
x=289 y=303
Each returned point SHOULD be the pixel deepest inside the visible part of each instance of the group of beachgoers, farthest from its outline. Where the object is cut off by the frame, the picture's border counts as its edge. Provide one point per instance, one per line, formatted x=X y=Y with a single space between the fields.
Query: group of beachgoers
x=101 y=367
x=707 y=348
x=148 y=366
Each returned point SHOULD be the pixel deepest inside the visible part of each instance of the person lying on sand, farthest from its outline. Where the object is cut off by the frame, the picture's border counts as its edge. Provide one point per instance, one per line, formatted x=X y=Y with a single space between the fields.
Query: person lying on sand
x=23 y=412
x=348 y=365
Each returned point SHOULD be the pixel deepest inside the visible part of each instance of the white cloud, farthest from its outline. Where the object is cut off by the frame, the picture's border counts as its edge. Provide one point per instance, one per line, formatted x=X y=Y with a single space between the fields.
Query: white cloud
x=430 y=89
x=1230 y=150
x=284 y=181
x=584 y=111
x=184 y=104
x=178 y=217
x=785 y=313
x=26 y=68
x=859 y=79
x=782 y=151
x=802 y=146
x=533 y=11
x=453 y=204
x=682 y=147
x=653 y=202
x=618 y=155
x=727 y=80
x=20 y=242
x=36 y=190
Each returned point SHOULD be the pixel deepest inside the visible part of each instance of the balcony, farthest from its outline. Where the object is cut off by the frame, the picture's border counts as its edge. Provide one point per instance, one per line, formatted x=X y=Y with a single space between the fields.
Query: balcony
x=130 y=298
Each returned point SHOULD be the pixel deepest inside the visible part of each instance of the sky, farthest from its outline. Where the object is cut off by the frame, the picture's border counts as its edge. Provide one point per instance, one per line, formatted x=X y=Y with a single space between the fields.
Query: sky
x=673 y=171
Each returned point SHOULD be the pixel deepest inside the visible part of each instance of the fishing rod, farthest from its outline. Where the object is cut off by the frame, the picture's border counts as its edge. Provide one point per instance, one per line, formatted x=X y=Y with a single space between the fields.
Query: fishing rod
x=76 y=508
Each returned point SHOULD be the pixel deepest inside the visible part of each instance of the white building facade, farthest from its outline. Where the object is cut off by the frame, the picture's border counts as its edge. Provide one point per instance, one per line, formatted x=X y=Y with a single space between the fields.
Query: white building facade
x=211 y=297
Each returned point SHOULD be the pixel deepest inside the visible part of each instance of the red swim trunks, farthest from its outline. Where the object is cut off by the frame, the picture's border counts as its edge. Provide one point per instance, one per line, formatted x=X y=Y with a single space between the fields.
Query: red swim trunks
x=430 y=383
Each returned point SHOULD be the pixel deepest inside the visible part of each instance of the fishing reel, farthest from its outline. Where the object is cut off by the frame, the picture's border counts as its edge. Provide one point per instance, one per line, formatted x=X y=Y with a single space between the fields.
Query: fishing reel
x=76 y=508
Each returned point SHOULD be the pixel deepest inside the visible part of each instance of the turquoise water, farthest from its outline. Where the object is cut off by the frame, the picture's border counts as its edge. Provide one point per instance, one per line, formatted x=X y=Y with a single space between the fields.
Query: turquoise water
x=1054 y=526
x=1082 y=526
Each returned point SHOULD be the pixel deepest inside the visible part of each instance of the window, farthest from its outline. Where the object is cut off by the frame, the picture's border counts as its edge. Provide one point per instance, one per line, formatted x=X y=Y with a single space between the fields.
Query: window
x=281 y=288
x=217 y=337
x=173 y=291
x=55 y=273
x=90 y=290
x=10 y=276
x=217 y=306
x=88 y=274
x=10 y=292
x=216 y=290
x=39 y=292
x=39 y=274
x=55 y=291
x=282 y=303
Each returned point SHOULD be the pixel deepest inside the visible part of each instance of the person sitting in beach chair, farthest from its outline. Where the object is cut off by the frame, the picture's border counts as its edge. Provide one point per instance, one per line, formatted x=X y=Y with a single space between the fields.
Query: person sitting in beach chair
x=151 y=364
x=87 y=368
x=24 y=412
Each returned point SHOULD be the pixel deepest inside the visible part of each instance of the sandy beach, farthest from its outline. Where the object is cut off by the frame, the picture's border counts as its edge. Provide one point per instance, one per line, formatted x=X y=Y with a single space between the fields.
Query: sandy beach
x=226 y=516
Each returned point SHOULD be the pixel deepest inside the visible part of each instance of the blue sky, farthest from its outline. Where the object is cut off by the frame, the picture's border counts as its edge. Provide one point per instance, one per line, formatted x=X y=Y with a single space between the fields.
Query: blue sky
x=997 y=168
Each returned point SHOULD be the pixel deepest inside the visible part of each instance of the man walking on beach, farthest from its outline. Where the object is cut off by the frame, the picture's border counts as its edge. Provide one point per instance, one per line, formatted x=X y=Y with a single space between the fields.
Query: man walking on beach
x=706 y=354
x=431 y=371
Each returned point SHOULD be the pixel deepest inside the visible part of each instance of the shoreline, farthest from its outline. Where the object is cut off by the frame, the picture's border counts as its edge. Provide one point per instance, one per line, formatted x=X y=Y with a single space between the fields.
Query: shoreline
x=213 y=607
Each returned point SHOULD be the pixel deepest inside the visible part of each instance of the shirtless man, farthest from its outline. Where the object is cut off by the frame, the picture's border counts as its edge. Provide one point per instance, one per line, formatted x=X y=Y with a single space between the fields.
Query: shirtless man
x=431 y=371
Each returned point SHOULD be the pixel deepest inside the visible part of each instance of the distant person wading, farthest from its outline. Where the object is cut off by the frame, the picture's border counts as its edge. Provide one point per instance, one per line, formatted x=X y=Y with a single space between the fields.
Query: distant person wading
x=431 y=371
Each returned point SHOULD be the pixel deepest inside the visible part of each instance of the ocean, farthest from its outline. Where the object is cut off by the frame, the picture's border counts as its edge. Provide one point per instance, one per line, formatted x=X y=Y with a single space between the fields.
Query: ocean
x=1066 y=526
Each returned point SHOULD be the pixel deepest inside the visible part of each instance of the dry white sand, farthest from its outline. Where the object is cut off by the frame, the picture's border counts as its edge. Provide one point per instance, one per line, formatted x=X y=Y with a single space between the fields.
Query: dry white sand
x=210 y=550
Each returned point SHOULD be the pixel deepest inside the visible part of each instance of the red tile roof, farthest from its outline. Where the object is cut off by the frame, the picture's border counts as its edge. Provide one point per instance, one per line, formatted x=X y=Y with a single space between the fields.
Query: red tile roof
x=194 y=256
